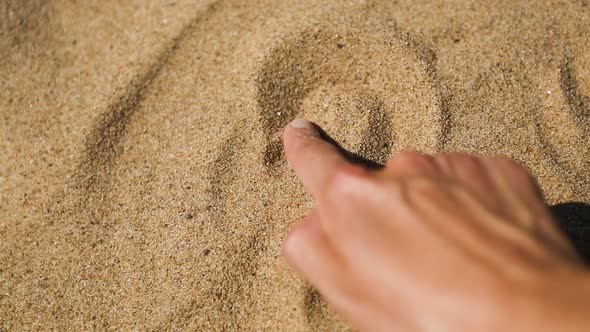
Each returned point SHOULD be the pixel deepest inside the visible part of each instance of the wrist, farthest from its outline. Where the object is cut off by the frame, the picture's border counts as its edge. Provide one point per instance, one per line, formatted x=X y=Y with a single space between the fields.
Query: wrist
x=569 y=303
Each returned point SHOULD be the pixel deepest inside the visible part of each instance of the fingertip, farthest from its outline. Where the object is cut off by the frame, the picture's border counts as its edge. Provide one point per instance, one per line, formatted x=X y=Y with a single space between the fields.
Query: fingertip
x=296 y=131
x=295 y=242
x=300 y=127
x=302 y=236
x=291 y=243
x=300 y=123
x=313 y=159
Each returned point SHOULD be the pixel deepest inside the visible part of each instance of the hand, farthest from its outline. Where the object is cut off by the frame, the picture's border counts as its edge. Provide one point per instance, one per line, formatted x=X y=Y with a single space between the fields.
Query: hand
x=444 y=243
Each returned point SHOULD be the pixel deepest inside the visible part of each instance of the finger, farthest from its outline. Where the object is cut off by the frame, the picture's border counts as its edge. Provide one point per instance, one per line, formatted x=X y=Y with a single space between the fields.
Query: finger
x=520 y=194
x=509 y=174
x=517 y=195
x=461 y=219
x=469 y=172
x=528 y=195
x=310 y=253
x=516 y=198
x=313 y=159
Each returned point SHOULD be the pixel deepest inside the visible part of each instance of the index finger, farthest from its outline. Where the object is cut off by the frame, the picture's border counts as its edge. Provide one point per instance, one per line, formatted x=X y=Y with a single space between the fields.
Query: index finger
x=313 y=159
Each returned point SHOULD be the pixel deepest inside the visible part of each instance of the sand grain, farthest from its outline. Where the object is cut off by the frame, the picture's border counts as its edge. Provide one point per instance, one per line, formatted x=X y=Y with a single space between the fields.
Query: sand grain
x=142 y=180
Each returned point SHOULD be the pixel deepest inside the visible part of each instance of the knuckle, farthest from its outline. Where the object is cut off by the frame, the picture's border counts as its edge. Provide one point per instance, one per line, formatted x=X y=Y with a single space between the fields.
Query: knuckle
x=398 y=193
x=459 y=162
x=463 y=160
x=514 y=169
x=426 y=189
x=410 y=157
x=346 y=181
x=506 y=162
x=457 y=156
x=411 y=160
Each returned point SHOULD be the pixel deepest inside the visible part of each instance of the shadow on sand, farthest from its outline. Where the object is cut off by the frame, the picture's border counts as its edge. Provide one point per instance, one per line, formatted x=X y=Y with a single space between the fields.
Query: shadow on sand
x=574 y=219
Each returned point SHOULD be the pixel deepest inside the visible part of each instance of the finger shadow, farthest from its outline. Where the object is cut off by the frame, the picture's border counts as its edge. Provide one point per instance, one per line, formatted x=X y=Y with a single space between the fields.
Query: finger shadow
x=574 y=220
x=354 y=158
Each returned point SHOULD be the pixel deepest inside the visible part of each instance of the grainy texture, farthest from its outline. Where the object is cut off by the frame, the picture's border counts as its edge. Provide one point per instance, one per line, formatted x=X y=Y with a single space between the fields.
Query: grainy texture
x=142 y=181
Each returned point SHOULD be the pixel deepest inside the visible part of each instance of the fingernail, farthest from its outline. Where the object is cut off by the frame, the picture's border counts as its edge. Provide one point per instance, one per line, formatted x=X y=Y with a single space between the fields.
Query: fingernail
x=300 y=123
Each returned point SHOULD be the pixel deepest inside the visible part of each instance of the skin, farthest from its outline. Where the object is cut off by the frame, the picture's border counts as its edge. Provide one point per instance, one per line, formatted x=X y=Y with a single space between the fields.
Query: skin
x=433 y=243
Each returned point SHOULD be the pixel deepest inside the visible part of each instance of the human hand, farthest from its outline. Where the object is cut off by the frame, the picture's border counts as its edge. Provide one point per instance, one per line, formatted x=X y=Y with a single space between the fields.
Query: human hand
x=444 y=243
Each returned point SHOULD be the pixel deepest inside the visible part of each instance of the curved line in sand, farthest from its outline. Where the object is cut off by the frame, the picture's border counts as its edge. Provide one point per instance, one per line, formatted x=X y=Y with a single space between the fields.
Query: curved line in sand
x=298 y=66
x=578 y=104
x=238 y=265
x=378 y=136
x=278 y=92
x=102 y=144
x=563 y=152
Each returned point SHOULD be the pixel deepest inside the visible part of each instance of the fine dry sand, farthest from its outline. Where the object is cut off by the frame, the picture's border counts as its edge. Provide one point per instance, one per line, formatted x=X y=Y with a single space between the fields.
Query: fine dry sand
x=142 y=181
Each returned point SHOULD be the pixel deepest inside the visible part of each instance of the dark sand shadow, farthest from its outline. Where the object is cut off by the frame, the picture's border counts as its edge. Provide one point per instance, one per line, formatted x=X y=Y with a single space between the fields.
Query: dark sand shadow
x=350 y=156
x=574 y=220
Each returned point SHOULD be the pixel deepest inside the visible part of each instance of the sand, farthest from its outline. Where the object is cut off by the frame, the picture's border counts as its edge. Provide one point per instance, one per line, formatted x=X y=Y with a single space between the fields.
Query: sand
x=142 y=181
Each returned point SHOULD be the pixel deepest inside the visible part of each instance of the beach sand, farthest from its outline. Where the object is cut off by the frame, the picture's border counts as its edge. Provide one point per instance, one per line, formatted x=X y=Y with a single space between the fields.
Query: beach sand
x=142 y=180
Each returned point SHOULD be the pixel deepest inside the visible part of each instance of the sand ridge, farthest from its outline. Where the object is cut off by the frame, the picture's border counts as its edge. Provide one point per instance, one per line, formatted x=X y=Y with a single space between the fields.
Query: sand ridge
x=142 y=183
